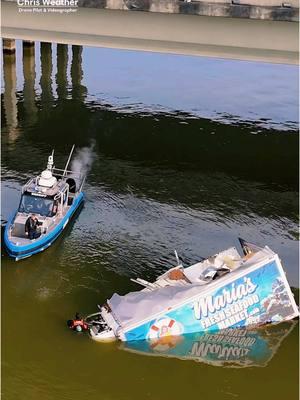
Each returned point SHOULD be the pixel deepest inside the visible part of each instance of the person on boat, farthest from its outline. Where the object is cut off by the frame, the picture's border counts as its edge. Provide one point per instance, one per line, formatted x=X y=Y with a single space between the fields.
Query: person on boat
x=53 y=209
x=31 y=227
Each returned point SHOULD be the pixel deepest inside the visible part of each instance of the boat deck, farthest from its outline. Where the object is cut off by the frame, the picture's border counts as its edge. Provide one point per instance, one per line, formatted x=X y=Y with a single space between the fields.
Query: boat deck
x=199 y=273
x=17 y=234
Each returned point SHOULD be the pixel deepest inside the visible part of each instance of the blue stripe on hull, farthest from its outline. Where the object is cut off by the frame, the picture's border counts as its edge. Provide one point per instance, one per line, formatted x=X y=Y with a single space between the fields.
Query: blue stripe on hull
x=19 y=252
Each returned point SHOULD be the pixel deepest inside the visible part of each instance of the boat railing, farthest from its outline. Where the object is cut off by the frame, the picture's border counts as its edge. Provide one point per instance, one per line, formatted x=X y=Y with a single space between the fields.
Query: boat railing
x=28 y=184
x=82 y=183
x=63 y=173
x=60 y=173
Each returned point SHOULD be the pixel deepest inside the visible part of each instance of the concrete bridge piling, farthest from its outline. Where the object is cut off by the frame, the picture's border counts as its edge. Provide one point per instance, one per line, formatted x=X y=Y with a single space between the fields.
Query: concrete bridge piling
x=9 y=46
x=28 y=43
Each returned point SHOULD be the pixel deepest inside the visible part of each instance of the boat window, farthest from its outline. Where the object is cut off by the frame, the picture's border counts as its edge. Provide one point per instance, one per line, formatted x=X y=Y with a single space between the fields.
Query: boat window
x=55 y=207
x=36 y=205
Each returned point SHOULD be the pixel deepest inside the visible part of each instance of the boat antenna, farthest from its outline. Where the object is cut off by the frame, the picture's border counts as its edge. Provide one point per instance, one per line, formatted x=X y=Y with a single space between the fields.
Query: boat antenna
x=177 y=258
x=50 y=161
x=70 y=155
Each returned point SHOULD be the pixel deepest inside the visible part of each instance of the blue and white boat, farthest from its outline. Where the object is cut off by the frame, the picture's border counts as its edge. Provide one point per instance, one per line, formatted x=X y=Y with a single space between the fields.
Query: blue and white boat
x=53 y=196
x=223 y=291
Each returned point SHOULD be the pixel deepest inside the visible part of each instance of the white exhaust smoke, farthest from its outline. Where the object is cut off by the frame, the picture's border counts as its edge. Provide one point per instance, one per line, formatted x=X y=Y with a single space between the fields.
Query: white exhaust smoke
x=84 y=158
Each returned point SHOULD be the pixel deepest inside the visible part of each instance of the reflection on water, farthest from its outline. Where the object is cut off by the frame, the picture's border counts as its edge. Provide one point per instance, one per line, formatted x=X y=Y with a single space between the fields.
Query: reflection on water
x=159 y=180
x=78 y=90
x=175 y=139
x=9 y=96
x=61 y=75
x=30 y=107
x=47 y=97
x=233 y=92
x=228 y=348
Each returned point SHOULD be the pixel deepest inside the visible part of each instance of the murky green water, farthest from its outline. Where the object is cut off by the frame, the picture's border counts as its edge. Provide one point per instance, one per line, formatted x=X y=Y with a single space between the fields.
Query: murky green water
x=184 y=153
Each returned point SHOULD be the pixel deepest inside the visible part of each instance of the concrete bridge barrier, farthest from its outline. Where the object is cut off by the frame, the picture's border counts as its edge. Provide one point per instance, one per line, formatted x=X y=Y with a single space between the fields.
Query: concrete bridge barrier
x=272 y=10
x=176 y=28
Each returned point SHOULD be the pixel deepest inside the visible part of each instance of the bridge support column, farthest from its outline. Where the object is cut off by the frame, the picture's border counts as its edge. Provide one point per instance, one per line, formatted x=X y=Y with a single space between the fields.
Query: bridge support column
x=28 y=61
x=28 y=43
x=28 y=49
x=9 y=46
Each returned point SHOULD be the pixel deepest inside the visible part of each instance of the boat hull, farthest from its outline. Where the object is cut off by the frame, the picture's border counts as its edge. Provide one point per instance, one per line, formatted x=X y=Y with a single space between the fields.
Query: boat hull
x=36 y=246
x=106 y=336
